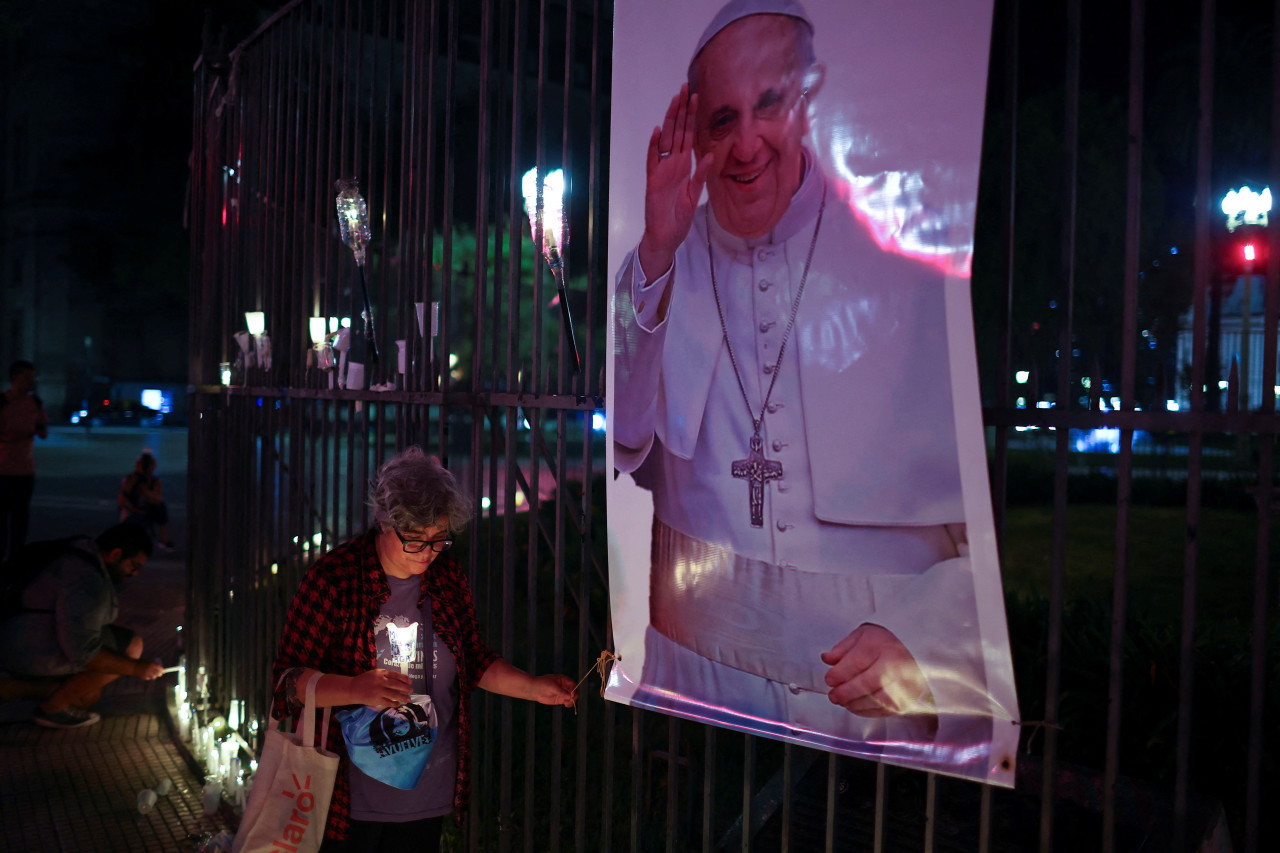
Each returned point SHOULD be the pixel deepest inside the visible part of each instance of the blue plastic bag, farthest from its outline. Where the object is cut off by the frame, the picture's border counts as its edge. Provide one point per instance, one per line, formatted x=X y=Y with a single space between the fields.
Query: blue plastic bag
x=392 y=745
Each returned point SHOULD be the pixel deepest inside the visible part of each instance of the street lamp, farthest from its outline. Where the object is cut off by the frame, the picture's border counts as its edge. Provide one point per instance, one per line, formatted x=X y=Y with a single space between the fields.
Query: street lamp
x=1246 y=207
x=1247 y=214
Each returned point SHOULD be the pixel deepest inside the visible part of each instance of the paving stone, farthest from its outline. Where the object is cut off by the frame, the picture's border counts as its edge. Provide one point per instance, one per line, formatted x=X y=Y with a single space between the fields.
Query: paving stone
x=76 y=790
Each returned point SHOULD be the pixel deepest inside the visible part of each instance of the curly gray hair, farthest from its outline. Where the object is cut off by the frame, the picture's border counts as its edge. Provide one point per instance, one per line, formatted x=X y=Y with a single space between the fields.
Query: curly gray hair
x=414 y=491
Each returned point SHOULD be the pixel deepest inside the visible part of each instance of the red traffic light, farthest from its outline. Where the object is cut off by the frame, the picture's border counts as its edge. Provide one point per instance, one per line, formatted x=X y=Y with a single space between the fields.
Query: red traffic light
x=1244 y=250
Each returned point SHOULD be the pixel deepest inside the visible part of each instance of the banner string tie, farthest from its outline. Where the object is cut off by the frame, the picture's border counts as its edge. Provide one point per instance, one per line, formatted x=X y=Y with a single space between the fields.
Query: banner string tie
x=1035 y=726
x=602 y=663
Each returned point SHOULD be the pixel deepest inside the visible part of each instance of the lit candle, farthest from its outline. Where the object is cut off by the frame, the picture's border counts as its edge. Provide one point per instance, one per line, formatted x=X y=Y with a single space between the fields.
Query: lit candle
x=202 y=688
x=404 y=644
x=353 y=218
x=226 y=753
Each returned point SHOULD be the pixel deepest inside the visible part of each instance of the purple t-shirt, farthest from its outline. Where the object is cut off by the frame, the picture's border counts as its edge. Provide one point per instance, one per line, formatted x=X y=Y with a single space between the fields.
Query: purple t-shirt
x=433 y=671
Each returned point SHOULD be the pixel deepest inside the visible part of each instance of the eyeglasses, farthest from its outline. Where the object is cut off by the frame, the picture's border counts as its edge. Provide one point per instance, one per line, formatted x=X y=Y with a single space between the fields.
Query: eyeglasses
x=417 y=546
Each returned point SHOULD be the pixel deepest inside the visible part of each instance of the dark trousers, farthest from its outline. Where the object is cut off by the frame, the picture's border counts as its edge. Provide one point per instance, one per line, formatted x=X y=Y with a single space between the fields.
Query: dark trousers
x=368 y=836
x=15 y=511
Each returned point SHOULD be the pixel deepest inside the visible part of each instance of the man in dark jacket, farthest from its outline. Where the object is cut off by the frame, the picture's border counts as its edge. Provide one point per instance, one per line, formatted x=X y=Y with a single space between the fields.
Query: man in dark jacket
x=64 y=628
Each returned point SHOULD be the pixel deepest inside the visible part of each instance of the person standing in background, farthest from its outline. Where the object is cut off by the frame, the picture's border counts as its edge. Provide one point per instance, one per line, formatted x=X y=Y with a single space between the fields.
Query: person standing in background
x=22 y=418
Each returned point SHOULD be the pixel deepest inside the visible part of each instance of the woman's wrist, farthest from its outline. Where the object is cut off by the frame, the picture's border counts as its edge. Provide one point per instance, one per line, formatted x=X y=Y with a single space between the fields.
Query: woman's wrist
x=333 y=690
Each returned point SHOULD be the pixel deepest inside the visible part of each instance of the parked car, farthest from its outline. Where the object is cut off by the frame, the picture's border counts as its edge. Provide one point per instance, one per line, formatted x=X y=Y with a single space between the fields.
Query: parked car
x=117 y=413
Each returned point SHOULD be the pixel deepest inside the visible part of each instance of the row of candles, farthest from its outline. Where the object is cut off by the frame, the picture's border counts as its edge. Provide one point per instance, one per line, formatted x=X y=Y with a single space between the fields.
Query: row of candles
x=331 y=340
x=216 y=743
x=331 y=346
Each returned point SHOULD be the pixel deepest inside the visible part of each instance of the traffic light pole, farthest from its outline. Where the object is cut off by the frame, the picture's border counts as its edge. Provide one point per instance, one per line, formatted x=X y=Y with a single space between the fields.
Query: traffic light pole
x=1246 y=312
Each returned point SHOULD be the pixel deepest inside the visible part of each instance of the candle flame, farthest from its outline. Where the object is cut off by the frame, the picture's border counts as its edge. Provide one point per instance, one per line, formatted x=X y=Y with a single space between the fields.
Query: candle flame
x=545 y=204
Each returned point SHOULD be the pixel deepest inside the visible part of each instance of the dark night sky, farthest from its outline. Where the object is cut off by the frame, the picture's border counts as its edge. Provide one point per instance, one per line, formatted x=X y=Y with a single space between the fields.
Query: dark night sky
x=97 y=104
x=115 y=88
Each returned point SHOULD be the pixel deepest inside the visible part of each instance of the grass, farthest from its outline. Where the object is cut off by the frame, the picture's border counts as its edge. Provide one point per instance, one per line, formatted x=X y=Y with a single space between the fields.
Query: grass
x=1222 y=651
x=1157 y=548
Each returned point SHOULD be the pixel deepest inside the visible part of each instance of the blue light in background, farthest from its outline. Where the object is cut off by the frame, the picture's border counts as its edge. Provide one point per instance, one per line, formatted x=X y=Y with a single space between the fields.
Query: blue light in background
x=1098 y=440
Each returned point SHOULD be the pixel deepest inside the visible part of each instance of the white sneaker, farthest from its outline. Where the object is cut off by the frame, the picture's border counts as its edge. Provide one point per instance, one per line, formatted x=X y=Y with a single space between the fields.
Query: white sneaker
x=69 y=717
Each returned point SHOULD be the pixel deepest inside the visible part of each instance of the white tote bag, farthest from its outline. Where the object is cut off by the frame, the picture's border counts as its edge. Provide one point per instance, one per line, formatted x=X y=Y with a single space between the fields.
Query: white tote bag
x=289 y=802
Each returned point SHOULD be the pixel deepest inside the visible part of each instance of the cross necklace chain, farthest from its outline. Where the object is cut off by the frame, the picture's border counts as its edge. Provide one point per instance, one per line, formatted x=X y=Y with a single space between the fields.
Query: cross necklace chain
x=756 y=469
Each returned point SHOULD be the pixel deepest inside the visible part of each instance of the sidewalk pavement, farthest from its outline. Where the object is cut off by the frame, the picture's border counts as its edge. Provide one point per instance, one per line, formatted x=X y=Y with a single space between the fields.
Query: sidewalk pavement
x=76 y=790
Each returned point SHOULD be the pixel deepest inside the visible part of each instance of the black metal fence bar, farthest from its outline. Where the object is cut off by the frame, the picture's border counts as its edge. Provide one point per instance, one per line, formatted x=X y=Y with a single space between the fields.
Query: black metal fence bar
x=1124 y=477
x=1196 y=447
x=1053 y=688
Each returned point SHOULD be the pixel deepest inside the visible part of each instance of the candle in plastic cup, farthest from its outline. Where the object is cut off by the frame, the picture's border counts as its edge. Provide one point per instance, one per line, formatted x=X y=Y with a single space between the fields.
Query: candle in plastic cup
x=355 y=375
x=163 y=787
x=353 y=217
x=210 y=795
x=404 y=640
x=146 y=801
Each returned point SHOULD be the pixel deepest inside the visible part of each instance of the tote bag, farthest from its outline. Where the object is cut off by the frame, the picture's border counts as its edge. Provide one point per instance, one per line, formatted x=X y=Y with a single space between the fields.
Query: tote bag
x=289 y=802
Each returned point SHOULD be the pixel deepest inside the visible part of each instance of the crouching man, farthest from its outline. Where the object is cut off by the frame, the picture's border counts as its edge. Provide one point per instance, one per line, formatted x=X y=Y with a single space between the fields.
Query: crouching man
x=62 y=628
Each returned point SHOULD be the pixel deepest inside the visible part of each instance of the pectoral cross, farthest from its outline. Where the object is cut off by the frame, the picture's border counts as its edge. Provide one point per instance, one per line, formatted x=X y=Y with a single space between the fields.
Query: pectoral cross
x=756 y=470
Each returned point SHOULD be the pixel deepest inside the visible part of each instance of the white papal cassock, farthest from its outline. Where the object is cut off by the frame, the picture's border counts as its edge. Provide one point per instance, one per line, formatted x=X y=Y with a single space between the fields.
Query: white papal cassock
x=865 y=523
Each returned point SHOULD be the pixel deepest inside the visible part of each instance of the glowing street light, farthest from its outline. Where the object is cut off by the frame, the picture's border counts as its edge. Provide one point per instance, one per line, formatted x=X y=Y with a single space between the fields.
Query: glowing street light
x=1246 y=207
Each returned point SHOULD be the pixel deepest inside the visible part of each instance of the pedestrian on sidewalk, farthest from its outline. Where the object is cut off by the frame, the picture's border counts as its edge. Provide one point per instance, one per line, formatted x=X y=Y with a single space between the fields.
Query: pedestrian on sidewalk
x=63 y=632
x=22 y=418
x=141 y=500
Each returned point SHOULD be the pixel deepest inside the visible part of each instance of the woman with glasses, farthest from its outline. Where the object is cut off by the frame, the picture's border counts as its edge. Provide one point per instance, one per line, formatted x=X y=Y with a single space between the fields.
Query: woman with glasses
x=385 y=616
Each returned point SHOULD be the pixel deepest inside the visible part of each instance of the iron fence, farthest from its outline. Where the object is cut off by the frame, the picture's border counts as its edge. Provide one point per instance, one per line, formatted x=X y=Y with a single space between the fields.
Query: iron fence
x=438 y=107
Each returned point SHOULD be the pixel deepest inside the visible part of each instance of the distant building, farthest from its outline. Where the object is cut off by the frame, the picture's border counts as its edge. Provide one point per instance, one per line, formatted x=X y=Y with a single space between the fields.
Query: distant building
x=1229 y=331
x=65 y=91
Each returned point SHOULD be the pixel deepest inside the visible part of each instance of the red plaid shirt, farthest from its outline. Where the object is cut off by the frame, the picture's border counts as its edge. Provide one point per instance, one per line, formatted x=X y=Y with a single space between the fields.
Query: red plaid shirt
x=330 y=628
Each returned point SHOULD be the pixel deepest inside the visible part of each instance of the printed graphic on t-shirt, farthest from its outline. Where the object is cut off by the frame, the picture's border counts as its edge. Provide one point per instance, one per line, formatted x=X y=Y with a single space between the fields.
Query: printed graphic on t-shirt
x=400 y=646
x=408 y=727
